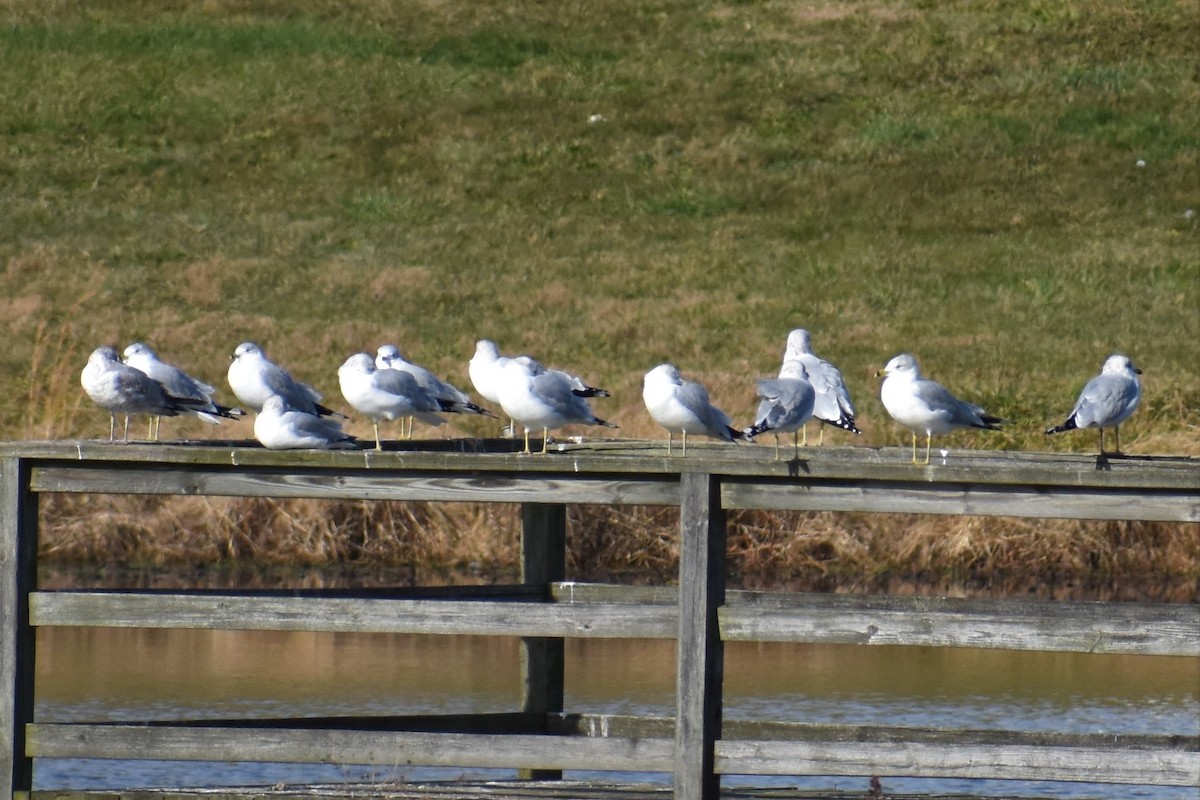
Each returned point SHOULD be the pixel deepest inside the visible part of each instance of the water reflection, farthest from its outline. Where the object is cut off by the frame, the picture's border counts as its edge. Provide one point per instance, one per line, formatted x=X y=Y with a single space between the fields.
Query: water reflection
x=120 y=674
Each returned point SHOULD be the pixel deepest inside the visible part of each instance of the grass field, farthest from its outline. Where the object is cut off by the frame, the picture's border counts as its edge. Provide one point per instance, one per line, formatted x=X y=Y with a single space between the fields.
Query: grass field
x=1008 y=190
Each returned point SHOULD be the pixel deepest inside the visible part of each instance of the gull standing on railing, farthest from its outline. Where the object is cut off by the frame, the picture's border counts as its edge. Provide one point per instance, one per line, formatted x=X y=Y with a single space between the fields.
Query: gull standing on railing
x=832 y=404
x=388 y=356
x=541 y=398
x=682 y=406
x=121 y=389
x=923 y=405
x=178 y=383
x=787 y=405
x=1107 y=400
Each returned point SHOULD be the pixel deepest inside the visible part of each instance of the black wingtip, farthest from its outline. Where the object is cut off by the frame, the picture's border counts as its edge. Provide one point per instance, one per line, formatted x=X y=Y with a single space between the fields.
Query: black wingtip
x=1069 y=425
x=325 y=411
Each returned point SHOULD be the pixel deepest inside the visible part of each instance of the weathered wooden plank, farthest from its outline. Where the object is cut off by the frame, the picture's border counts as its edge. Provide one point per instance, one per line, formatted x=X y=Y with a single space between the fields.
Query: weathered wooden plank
x=1090 y=765
x=642 y=458
x=1131 y=628
x=1177 y=637
x=18 y=575
x=348 y=615
x=358 y=485
x=970 y=499
x=700 y=658
x=378 y=748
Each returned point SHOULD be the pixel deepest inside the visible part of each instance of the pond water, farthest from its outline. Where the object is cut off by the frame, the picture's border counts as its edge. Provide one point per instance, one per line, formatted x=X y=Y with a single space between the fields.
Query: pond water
x=118 y=674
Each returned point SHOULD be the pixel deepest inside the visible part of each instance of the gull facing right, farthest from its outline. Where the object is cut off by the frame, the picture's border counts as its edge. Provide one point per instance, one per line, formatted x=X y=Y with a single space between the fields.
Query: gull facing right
x=1107 y=400
x=920 y=404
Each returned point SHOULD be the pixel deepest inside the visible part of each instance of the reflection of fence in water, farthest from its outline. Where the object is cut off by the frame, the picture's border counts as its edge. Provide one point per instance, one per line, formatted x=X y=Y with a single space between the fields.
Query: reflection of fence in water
x=700 y=615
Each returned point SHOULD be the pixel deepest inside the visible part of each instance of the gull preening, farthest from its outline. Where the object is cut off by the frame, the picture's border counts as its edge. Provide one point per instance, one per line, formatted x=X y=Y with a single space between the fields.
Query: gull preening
x=254 y=378
x=787 y=405
x=121 y=389
x=682 y=406
x=540 y=398
x=922 y=405
x=388 y=356
x=177 y=383
x=832 y=404
x=1107 y=400
x=280 y=427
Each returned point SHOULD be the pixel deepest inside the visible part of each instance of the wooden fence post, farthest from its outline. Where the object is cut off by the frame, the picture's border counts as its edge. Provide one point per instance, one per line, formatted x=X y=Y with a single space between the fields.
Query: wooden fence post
x=543 y=562
x=700 y=654
x=18 y=575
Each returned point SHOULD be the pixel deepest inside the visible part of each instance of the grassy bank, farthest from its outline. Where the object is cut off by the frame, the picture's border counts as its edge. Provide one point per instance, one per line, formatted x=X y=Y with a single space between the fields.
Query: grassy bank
x=666 y=181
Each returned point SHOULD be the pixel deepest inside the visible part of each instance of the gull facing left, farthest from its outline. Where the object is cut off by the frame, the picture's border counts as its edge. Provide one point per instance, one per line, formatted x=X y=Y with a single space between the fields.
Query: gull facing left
x=387 y=394
x=924 y=405
x=279 y=427
x=120 y=389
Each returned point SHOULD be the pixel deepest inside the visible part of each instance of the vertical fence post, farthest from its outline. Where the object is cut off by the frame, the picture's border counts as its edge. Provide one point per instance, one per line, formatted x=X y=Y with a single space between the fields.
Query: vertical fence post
x=701 y=654
x=543 y=561
x=18 y=575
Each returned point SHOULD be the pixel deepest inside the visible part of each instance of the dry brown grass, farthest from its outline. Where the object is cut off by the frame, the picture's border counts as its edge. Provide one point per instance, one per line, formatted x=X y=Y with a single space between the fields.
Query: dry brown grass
x=375 y=542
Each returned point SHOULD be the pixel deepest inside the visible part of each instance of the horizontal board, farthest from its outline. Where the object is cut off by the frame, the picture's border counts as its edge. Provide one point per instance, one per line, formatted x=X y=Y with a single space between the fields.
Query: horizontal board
x=1178 y=637
x=1089 y=765
x=372 y=748
x=350 y=615
x=640 y=459
x=357 y=485
x=968 y=499
x=1131 y=628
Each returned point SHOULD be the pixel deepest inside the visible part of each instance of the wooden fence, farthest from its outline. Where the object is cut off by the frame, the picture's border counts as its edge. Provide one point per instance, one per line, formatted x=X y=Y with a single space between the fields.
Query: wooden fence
x=543 y=738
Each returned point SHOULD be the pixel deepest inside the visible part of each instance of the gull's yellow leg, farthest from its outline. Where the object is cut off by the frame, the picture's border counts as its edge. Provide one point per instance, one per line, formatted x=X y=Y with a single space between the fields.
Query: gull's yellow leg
x=795 y=444
x=126 y=436
x=928 y=442
x=776 y=446
x=378 y=444
x=685 y=443
x=914 y=447
x=821 y=438
x=112 y=427
x=1117 y=435
x=1102 y=441
x=668 y=443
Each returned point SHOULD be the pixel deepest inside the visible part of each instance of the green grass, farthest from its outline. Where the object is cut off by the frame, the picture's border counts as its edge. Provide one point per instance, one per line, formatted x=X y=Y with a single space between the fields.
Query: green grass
x=953 y=179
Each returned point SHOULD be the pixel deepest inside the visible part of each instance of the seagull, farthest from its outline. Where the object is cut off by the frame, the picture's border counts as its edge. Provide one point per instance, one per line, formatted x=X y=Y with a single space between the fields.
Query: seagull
x=388 y=394
x=540 y=398
x=832 y=405
x=924 y=405
x=682 y=406
x=787 y=404
x=254 y=378
x=486 y=370
x=1107 y=400
x=388 y=356
x=178 y=384
x=121 y=389
x=279 y=427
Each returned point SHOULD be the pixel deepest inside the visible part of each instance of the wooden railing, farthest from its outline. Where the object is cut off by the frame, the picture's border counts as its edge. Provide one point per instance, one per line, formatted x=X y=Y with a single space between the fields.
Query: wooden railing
x=543 y=738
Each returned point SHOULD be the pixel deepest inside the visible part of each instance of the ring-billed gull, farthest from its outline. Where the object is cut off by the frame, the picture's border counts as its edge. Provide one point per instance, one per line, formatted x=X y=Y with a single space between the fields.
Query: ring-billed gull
x=832 y=405
x=787 y=404
x=178 y=383
x=486 y=369
x=121 y=389
x=388 y=356
x=279 y=427
x=682 y=406
x=924 y=405
x=387 y=393
x=253 y=378
x=1107 y=400
x=541 y=398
